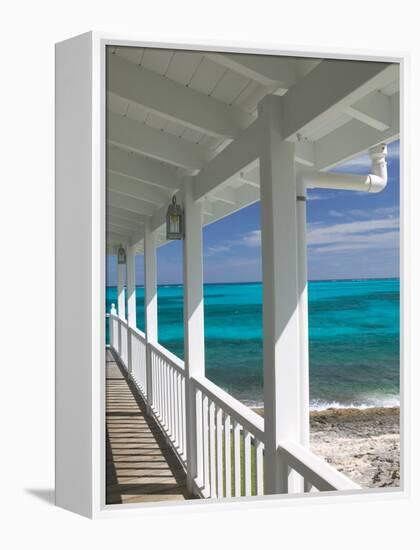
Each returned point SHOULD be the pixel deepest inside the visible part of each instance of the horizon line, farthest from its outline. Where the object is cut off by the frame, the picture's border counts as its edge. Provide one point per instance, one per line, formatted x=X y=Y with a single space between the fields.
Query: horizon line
x=260 y=282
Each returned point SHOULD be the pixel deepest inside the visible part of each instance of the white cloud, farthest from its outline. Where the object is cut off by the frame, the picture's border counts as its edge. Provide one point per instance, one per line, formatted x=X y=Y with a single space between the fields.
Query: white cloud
x=216 y=249
x=355 y=235
x=253 y=238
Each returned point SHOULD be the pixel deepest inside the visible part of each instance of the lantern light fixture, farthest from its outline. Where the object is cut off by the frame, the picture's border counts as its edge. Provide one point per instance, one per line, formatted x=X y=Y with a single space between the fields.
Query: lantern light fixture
x=122 y=260
x=174 y=221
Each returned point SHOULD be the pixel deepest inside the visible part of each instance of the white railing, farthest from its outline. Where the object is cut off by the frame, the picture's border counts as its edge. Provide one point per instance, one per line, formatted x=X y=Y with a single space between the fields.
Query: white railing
x=231 y=441
x=168 y=395
x=138 y=367
x=229 y=436
x=317 y=473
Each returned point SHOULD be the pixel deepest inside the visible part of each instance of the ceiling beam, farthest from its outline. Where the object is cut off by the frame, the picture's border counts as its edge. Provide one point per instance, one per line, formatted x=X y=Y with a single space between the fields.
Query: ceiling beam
x=112 y=228
x=135 y=136
x=264 y=69
x=174 y=101
x=328 y=90
x=128 y=203
x=374 y=110
x=126 y=214
x=235 y=157
x=116 y=237
x=122 y=222
x=144 y=169
x=136 y=189
x=354 y=138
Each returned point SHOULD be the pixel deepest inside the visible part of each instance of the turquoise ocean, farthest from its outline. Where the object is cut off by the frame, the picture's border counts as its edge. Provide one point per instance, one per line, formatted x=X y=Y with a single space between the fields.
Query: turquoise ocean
x=353 y=338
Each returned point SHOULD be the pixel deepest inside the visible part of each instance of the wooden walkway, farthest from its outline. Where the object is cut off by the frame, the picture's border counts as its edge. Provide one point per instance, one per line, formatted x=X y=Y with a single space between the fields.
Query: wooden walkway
x=141 y=466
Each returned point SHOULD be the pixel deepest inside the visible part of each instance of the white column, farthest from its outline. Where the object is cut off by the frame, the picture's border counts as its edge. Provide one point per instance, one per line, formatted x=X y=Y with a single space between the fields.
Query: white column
x=150 y=303
x=121 y=290
x=303 y=312
x=193 y=331
x=121 y=301
x=280 y=298
x=131 y=300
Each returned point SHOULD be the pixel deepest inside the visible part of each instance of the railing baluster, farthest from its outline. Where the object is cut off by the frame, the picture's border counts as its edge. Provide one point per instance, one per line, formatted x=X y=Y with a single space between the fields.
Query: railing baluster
x=219 y=447
x=212 y=450
x=237 y=457
x=183 y=419
x=259 y=477
x=228 y=454
x=247 y=462
x=206 y=473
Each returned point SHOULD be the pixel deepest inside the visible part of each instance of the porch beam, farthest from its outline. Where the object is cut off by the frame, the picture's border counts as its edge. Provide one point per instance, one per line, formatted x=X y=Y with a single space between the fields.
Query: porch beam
x=236 y=156
x=280 y=300
x=193 y=331
x=374 y=110
x=355 y=138
x=143 y=169
x=140 y=138
x=264 y=69
x=328 y=90
x=135 y=189
x=174 y=101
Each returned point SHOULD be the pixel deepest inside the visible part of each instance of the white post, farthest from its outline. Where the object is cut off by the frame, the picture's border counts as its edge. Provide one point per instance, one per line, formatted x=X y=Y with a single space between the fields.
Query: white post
x=193 y=332
x=121 y=291
x=121 y=301
x=303 y=312
x=150 y=304
x=282 y=393
x=111 y=326
x=131 y=301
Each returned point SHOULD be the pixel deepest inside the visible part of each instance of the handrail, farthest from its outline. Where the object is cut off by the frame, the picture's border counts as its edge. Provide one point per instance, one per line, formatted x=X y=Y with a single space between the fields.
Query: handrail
x=169 y=356
x=137 y=332
x=314 y=469
x=249 y=419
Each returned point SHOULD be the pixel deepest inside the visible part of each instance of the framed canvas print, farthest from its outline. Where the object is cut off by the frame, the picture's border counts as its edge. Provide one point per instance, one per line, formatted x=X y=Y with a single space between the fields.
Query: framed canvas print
x=228 y=275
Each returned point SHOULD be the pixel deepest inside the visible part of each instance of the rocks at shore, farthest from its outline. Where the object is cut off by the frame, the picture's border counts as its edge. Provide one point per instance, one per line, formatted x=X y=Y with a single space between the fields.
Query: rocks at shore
x=364 y=444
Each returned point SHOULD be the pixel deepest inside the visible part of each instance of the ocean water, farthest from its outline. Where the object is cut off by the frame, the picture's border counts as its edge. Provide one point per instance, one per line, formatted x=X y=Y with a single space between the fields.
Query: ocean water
x=353 y=339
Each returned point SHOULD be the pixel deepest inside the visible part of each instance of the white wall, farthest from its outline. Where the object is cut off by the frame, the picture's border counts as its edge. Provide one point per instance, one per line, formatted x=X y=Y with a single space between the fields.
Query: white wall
x=29 y=30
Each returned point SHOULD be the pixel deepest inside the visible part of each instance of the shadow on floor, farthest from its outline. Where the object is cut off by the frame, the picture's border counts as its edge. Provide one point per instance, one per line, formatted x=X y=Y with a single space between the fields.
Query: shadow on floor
x=47 y=495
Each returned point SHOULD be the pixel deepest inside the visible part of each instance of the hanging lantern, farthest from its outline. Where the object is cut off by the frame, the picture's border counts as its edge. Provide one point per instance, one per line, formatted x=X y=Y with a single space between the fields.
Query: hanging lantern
x=174 y=221
x=121 y=256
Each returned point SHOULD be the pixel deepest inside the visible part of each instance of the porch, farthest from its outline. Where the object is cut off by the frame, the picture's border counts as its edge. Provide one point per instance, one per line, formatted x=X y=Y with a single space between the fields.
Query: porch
x=218 y=153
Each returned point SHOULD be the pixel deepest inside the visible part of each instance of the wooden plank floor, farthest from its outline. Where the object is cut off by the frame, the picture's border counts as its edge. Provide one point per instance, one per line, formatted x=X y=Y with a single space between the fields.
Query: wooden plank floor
x=141 y=467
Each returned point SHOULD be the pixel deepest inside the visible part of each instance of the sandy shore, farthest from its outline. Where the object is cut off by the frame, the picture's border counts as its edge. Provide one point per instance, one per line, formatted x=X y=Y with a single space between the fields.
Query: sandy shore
x=363 y=444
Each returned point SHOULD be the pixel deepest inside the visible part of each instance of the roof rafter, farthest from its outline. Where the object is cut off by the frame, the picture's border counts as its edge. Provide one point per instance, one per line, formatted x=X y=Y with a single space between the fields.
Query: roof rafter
x=264 y=69
x=374 y=110
x=328 y=90
x=135 y=136
x=128 y=203
x=174 y=101
x=136 y=189
x=126 y=214
x=144 y=169
x=354 y=138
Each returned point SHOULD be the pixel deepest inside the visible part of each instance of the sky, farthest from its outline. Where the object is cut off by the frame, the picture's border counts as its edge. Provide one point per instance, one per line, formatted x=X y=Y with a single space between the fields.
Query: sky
x=350 y=235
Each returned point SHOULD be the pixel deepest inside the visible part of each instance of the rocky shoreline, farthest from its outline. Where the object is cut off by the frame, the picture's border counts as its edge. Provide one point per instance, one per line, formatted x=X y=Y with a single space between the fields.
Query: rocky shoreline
x=364 y=444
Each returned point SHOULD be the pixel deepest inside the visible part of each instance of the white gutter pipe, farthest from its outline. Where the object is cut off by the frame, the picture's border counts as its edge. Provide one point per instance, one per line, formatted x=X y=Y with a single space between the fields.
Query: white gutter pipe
x=372 y=183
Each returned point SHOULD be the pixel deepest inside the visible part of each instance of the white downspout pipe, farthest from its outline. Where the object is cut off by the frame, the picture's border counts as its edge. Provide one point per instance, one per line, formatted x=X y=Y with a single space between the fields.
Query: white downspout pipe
x=372 y=183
